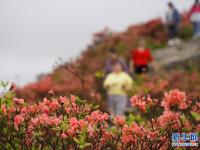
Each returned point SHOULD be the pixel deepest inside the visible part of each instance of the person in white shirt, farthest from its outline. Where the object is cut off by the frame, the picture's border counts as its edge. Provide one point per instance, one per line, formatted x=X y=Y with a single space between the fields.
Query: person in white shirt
x=195 y=18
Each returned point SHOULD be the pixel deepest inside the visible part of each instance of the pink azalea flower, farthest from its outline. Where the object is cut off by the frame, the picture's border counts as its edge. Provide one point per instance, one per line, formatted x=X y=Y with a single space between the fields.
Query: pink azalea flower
x=134 y=101
x=127 y=138
x=152 y=135
x=106 y=135
x=54 y=121
x=45 y=109
x=74 y=107
x=35 y=121
x=24 y=110
x=103 y=117
x=156 y=101
x=44 y=118
x=198 y=104
x=136 y=129
x=51 y=92
x=140 y=103
x=119 y=120
x=71 y=132
x=183 y=106
x=149 y=100
x=73 y=122
x=54 y=105
x=46 y=102
x=174 y=97
x=32 y=109
x=18 y=119
x=18 y=101
x=67 y=109
x=64 y=100
x=82 y=124
x=29 y=131
x=168 y=117
x=142 y=106
x=90 y=130
x=63 y=136
x=11 y=110
x=126 y=128
x=73 y=98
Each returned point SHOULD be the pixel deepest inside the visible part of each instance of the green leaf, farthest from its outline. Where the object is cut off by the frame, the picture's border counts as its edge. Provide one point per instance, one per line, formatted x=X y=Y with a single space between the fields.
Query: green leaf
x=77 y=141
x=183 y=119
x=85 y=145
x=99 y=74
x=134 y=118
x=113 y=129
x=146 y=90
x=79 y=101
x=64 y=126
x=196 y=116
x=96 y=107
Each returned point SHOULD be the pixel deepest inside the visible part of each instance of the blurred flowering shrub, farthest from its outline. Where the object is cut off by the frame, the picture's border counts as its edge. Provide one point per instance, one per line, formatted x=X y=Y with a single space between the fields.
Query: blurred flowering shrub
x=163 y=81
x=71 y=123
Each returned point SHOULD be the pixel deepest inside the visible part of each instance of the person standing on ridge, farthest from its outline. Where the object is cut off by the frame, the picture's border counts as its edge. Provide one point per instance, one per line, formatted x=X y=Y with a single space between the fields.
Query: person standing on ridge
x=140 y=58
x=173 y=19
x=195 y=18
x=114 y=58
x=117 y=83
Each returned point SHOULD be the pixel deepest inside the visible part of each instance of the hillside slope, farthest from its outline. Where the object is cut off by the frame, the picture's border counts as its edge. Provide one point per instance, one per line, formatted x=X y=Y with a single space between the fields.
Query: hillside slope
x=81 y=77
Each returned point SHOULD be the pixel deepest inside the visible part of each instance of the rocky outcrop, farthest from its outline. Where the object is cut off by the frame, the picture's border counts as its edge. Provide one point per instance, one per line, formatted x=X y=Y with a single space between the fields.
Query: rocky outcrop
x=187 y=54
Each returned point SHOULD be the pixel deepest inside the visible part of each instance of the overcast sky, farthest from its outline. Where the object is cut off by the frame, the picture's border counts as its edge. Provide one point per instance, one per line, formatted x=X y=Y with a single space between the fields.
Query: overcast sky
x=34 y=33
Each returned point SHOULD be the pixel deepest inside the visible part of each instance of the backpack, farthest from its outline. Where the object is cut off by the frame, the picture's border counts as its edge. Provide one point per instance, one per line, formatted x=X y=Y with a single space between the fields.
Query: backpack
x=176 y=16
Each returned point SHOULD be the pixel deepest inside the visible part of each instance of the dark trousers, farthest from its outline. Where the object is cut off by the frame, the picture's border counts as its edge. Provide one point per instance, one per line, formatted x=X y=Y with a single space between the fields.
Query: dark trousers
x=141 y=69
x=173 y=31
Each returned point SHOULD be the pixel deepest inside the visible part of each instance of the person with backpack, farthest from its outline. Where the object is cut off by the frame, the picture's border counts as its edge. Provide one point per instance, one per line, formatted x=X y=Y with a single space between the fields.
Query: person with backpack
x=195 y=18
x=173 y=19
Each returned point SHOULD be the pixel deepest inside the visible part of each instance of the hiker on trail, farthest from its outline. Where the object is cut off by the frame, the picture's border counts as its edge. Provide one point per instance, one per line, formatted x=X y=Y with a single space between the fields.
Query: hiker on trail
x=140 y=58
x=173 y=19
x=114 y=58
x=117 y=84
x=195 y=18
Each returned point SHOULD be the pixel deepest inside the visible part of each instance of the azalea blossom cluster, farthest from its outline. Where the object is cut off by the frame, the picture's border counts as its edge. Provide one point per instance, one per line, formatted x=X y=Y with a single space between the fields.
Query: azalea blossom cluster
x=62 y=123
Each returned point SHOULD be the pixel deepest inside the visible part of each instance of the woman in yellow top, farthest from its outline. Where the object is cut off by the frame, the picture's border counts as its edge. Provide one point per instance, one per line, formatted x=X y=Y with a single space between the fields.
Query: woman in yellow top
x=117 y=84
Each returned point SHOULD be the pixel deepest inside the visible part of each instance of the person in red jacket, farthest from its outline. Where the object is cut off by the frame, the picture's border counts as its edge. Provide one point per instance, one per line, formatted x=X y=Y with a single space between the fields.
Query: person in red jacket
x=140 y=58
